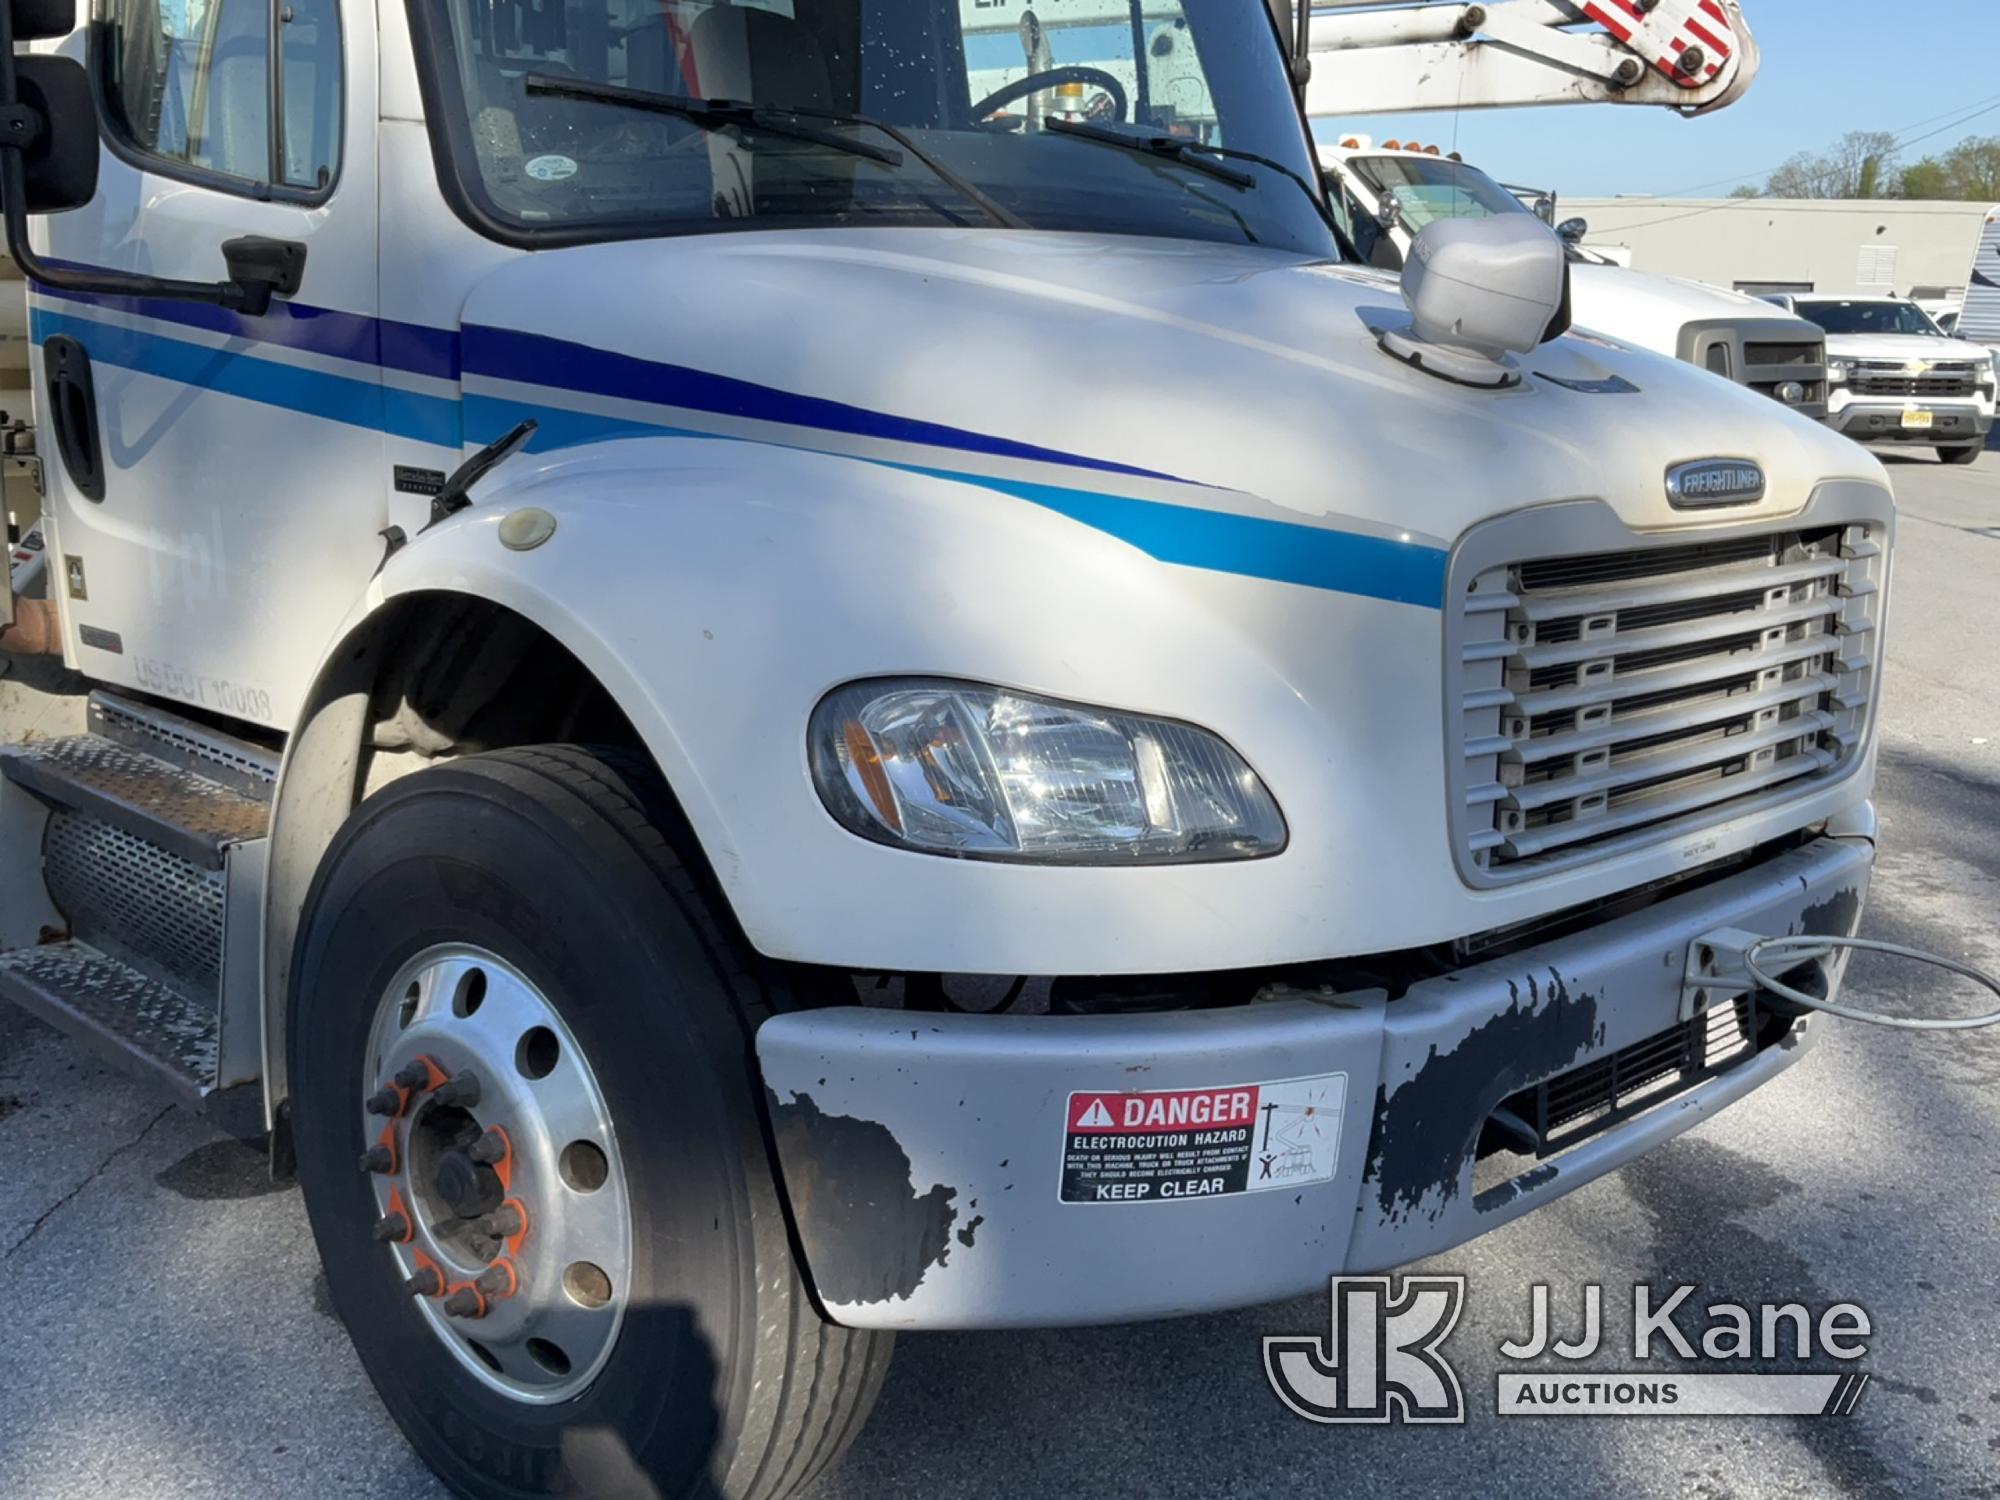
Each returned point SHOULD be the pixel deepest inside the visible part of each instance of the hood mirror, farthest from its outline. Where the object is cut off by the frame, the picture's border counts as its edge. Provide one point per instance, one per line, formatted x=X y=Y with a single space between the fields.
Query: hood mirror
x=1572 y=231
x=1479 y=290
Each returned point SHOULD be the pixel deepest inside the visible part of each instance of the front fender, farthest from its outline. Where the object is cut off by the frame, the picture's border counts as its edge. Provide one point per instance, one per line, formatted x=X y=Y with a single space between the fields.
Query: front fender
x=718 y=590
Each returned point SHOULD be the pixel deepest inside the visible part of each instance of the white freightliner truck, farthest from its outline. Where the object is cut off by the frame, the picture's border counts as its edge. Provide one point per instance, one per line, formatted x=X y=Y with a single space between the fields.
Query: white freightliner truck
x=776 y=697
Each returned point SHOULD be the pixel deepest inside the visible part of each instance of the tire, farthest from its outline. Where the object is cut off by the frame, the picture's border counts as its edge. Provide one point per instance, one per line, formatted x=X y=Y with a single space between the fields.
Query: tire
x=722 y=1379
x=1966 y=455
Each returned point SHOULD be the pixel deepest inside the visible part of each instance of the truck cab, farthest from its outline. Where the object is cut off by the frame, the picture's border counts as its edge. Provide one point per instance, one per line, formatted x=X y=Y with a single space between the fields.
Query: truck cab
x=1387 y=194
x=780 y=673
x=1897 y=377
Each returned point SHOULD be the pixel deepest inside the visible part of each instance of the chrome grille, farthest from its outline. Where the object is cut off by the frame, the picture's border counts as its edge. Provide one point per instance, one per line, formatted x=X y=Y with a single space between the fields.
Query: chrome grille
x=1612 y=699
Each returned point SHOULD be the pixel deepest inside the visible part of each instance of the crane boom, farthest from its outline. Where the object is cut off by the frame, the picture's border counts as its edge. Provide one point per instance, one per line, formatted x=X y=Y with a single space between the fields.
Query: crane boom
x=1692 y=56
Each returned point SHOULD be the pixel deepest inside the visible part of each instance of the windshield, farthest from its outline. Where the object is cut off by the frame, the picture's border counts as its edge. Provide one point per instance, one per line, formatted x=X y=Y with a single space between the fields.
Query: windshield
x=1430 y=188
x=1868 y=317
x=976 y=92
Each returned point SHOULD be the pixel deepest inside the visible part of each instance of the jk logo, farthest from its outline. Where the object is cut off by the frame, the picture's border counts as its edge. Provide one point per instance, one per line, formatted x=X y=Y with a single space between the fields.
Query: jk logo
x=1381 y=1363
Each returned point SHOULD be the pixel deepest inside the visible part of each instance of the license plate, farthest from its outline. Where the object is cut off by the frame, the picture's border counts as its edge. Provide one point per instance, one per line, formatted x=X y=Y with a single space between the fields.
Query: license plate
x=1918 y=421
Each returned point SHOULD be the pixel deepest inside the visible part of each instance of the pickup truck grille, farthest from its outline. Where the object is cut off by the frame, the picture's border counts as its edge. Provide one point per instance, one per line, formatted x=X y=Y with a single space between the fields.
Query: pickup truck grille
x=1613 y=699
x=1795 y=353
x=1940 y=382
x=1769 y=355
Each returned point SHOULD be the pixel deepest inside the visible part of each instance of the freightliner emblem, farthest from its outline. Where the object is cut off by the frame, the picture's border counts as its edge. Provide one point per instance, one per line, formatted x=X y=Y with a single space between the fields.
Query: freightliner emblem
x=1714 y=481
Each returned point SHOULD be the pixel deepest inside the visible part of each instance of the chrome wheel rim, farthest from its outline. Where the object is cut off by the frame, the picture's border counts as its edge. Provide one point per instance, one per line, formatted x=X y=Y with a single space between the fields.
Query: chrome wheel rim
x=473 y=1027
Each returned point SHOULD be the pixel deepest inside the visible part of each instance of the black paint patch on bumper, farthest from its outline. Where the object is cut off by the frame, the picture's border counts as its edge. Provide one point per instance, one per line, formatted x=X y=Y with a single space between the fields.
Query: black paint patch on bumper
x=868 y=1237
x=1427 y=1127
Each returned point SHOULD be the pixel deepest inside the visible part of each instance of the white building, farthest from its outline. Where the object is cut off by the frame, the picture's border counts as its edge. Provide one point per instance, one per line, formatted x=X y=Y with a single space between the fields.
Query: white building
x=1761 y=245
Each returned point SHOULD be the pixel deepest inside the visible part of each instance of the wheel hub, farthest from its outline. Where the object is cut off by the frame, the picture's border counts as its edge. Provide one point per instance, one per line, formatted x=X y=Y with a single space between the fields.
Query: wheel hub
x=498 y=1187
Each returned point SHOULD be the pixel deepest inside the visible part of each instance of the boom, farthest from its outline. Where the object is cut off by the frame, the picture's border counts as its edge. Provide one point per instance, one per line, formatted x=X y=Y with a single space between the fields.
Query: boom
x=1693 y=56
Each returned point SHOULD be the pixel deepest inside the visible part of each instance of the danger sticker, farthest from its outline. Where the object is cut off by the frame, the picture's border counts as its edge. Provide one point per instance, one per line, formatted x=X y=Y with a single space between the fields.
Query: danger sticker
x=1171 y=1145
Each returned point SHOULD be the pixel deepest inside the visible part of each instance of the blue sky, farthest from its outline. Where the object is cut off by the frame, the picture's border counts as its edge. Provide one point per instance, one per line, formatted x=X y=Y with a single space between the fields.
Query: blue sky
x=1922 y=59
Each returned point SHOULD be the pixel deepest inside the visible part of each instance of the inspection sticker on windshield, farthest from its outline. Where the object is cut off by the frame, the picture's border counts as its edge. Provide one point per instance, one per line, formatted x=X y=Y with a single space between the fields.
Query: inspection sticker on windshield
x=551 y=168
x=1166 y=1146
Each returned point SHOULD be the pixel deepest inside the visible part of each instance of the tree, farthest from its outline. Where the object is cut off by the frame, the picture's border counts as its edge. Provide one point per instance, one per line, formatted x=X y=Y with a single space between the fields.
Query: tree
x=1857 y=166
x=1746 y=191
x=1969 y=172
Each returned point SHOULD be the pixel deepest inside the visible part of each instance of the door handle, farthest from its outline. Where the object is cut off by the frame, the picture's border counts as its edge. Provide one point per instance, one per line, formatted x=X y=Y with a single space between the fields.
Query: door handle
x=73 y=413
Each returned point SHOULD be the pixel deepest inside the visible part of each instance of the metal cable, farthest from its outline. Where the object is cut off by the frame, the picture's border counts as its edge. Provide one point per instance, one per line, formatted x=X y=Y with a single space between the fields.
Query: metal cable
x=1809 y=949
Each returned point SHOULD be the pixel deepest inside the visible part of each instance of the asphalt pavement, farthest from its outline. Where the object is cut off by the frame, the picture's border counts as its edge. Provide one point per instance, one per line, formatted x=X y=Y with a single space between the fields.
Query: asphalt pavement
x=164 y=1331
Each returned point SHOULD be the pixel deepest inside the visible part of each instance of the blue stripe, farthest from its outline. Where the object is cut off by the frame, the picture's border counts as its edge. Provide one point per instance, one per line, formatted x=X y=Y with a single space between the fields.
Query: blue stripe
x=413 y=348
x=534 y=359
x=1276 y=551
x=1343 y=561
x=338 y=398
x=1249 y=546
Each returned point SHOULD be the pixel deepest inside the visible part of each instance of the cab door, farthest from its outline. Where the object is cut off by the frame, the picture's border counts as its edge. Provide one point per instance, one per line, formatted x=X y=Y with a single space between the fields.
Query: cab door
x=228 y=522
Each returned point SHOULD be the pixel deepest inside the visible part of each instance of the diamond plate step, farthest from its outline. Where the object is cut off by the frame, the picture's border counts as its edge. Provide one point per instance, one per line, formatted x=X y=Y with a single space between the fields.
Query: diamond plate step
x=137 y=1022
x=190 y=815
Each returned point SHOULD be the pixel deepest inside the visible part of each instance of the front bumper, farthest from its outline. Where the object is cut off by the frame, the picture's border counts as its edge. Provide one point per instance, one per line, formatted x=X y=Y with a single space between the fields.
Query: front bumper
x=924 y=1154
x=1952 y=423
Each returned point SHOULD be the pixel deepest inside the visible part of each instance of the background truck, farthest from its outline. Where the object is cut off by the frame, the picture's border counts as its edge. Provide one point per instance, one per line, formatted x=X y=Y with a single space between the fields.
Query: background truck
x=772 y=690
x=1387 y=194
x=1896 y=377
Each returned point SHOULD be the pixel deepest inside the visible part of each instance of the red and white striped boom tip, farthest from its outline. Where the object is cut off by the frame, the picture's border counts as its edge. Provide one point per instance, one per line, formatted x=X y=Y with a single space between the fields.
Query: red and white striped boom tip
x=1690 y=41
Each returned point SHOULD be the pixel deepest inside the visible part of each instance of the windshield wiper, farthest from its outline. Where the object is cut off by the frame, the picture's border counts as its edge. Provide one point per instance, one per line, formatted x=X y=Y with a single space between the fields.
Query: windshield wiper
x=1156 y=143
x=1203 y=158
x=785 y=122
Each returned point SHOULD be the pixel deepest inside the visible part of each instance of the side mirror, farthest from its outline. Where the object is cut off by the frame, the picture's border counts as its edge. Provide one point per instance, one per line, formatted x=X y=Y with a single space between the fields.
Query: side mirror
x=48 y=164
x=1478 y=290
x=43 y=20
x=1391 y=210
x=1572 y=231
x=59 y=166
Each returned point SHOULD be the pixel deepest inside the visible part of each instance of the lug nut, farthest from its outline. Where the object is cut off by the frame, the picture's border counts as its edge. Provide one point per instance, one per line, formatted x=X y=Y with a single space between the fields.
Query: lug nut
x=391 y=1229
x=497 y=1280
x=414 y=1075
x=488 y=1149
x=425 y=1283
x=465 y=1303
x=462 y=1090
x=506 y=1221
x=379 y=1159
x=385 y=1102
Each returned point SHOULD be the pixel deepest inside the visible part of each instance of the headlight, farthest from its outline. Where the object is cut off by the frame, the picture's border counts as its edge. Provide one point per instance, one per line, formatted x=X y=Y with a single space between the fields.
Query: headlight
x=1836 y=372
x=1986 y=372
x=983 y=773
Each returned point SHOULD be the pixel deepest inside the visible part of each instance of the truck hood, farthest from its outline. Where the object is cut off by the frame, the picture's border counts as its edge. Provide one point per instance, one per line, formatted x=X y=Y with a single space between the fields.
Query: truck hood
x=1902 y=347
x=1209 y=376
x=1651 y=311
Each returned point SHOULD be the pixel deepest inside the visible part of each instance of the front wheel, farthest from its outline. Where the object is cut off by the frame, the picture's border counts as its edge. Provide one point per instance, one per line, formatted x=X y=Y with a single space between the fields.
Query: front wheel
x=530 y=1142
x=1968 y=455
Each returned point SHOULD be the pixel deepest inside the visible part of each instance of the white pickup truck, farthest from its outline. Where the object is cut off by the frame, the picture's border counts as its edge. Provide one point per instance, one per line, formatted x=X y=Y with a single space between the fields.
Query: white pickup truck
x=778 y=680
x=1896 y=377
x=1386 y=194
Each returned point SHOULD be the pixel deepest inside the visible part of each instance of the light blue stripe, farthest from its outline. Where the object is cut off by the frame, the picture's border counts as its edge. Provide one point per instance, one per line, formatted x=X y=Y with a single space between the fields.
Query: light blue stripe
x=1249 y=546
x=314 y=393
x=1313 y=556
